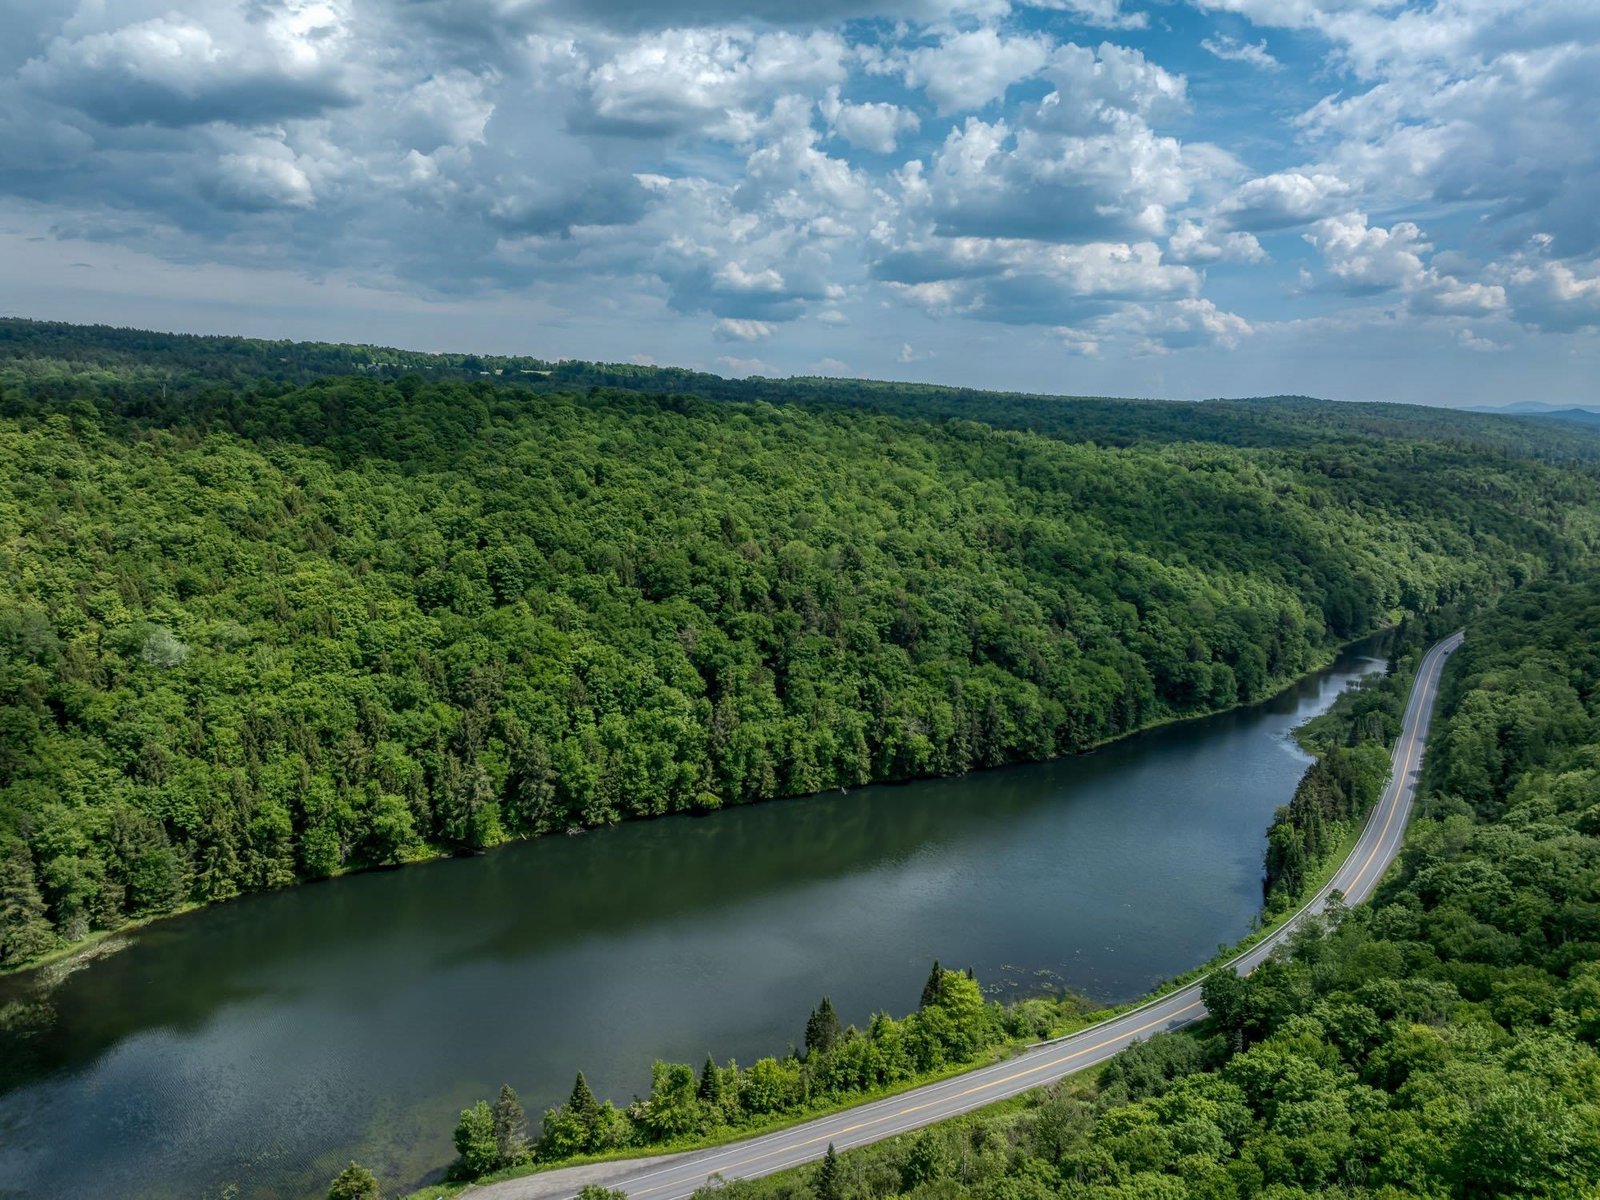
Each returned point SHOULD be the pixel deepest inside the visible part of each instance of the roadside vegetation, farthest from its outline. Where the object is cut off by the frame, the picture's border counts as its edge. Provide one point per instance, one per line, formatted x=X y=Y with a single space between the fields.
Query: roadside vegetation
x=953 y=1026
x=263 y=623
x=1438 y=1042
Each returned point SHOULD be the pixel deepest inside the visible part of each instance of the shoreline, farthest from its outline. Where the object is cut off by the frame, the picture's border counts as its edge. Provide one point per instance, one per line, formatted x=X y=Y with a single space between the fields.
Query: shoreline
x=67 y=959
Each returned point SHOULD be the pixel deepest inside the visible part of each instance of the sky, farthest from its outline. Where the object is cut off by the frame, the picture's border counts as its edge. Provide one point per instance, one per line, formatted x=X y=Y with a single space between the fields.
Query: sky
x=1363 y=199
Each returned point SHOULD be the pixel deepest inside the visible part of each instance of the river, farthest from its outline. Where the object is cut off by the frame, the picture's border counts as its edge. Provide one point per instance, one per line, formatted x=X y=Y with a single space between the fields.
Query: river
x=261 y=1045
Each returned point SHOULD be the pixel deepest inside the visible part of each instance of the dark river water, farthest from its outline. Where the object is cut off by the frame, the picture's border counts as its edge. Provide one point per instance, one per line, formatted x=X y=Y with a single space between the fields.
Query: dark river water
x=265 y=1043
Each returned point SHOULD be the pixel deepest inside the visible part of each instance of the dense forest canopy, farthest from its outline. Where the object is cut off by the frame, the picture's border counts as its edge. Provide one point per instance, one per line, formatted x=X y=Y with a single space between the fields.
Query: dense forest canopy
x=261 y=628
x=162 y=376
x=1439 y=1042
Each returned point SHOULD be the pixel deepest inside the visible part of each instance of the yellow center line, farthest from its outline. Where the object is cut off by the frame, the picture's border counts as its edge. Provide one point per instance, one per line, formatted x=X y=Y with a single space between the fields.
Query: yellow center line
x=1421 y=702
x=1402 y=770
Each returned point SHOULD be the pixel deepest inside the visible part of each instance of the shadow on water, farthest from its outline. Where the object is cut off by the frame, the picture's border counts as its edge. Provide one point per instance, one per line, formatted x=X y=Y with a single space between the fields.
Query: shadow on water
x=264 y=1042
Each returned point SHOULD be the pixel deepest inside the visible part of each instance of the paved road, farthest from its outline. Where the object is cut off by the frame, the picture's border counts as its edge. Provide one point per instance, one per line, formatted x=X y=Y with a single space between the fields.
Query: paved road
x=677 y=1176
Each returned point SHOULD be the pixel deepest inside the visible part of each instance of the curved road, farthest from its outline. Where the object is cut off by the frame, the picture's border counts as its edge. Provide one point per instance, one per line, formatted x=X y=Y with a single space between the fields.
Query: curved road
x=677 y=1176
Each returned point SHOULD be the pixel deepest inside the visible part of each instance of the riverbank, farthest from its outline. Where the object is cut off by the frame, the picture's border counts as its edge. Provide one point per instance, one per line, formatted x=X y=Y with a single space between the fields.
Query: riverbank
x=1316 y=880
x=434 y=854
x=1358 y=875
x=367 y=1014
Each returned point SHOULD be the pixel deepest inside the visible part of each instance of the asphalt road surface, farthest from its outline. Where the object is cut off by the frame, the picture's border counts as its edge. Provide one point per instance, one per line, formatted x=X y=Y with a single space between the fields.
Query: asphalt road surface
x=677 y=1176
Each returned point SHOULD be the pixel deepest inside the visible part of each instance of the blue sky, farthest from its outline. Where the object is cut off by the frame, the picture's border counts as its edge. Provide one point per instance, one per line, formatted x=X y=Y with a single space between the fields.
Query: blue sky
x=1354 y=198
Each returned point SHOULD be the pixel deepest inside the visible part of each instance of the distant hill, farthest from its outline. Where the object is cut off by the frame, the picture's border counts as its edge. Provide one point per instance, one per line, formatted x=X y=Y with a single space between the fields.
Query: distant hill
x=173 y=379
x=1588 y=413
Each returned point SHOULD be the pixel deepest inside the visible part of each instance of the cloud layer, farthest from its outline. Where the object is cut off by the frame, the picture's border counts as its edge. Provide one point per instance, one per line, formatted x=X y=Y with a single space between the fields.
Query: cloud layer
x=1088 y=182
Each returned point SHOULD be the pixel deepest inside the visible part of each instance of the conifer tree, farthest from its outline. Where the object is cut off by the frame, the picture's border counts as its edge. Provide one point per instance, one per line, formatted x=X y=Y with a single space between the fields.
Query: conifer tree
x=830 y=1184
x=24 y=929
x=510 y=1127
x=935 y=985
x=585 y=1109
x=710 y=1089
x=822 y=1028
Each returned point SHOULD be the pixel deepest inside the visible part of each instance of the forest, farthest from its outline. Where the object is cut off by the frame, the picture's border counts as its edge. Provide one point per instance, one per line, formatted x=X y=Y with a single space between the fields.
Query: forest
x=1438 y=1042
x=269 y=615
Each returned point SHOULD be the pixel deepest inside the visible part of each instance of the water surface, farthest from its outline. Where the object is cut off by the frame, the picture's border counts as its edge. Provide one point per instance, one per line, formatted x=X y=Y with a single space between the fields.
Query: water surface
x=265 y=1043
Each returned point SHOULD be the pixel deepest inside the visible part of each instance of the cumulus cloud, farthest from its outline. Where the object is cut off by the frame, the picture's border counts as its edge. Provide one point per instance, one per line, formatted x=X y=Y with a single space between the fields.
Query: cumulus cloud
x=1154 y=329
x=260 y=181
x=1365 y=259
x=719 y=166
x=873 y=126
x=1283 y=200
x=1021 y=281
x=1201 y=242
x=682 y=79
x=744 y=367
x=969 y=70
x=1082 y=164
x=249 y=67
x=1549 y=295
x=732 y=329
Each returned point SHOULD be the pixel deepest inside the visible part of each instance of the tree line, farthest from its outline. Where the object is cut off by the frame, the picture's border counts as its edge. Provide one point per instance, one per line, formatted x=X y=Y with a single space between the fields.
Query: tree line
x=262 y=630
x=1439 y=1041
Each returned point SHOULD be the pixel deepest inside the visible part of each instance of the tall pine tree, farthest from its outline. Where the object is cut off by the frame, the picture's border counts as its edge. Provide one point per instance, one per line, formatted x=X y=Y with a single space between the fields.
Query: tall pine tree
x=830 y=1181
x=822 y=1028
x=24 y=929
x=510 y=1127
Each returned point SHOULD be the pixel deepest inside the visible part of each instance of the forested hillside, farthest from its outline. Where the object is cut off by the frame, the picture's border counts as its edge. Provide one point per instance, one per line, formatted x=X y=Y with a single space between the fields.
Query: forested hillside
x=257 y=631
x=175 y=378
x=1439 y=1042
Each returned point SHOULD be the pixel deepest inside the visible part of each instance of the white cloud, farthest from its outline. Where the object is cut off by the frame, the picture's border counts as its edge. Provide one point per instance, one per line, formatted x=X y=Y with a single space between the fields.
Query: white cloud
x=876 y=126
x=733 y=329
x=744 y=367
x=1145 y=329
x=1552 y=296
x=178 y=70
x=682 y=79
x=1197 y=242
x=1368 y=259
x=262 y=180
x=1104 y=14
x=968 y=70
x=1230 y=49
x=1283 y=200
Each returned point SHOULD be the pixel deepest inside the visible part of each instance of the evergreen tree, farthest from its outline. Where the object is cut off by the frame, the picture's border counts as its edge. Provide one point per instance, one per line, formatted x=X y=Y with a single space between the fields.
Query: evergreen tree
x=355 y=1182
x=585 y=1111
x=822 y=1028
x=710 y=1089
x=830 y=1182
x=510 y=1128
x=24 y=929
x=935 y=985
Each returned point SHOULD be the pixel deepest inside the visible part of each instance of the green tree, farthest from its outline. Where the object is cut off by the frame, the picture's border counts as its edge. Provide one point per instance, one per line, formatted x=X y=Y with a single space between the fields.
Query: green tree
x=822 y=1028
x=510 y=1128
x=477 y=1149
x=584 y=1109
x=355 y=1182
x=25 y=931
x=830 y=1177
